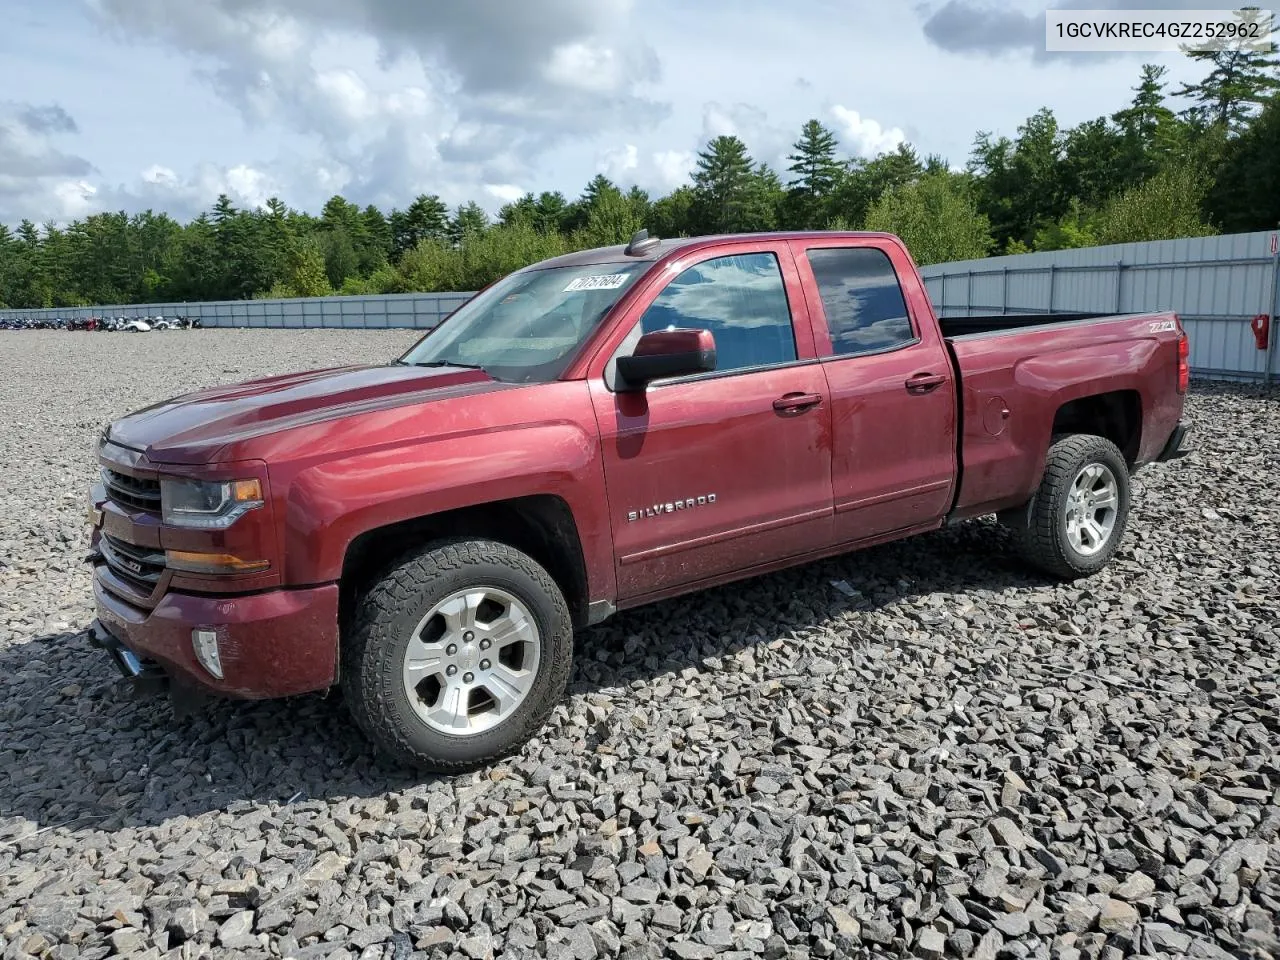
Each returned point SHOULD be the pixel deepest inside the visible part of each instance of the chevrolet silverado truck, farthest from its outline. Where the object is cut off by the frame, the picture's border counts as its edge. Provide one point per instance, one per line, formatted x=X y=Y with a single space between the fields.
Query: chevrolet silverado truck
x=591 y=433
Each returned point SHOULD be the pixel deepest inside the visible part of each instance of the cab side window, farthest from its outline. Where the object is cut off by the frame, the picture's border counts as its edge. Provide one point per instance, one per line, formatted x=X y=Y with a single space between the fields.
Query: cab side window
x=861 y=299
x=741 y=299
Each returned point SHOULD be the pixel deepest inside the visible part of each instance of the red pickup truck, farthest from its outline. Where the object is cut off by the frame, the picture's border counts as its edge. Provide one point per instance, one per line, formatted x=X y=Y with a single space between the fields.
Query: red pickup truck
x=591 y=433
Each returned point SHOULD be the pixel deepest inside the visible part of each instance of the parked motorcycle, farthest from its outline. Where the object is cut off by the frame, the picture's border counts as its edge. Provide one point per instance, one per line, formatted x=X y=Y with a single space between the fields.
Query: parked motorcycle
x=102 y=324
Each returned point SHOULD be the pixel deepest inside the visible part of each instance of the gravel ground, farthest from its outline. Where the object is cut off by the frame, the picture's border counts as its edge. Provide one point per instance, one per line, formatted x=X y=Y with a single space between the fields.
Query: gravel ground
x=921 y=750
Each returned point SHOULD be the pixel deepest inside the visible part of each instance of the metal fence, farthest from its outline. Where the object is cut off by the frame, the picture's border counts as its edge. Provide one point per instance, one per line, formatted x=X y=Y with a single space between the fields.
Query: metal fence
x=1218 y=285
x=420 y=310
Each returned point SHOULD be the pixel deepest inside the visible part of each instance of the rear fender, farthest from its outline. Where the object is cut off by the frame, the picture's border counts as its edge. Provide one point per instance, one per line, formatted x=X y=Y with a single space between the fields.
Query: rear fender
x=1055 y=379
x=1003 y=468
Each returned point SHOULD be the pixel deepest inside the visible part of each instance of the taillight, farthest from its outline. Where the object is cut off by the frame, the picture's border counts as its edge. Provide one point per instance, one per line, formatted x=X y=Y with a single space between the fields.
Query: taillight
x=1184 y=363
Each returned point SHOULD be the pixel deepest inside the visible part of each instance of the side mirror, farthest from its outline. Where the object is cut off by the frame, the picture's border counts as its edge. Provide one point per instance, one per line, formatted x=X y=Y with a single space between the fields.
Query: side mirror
x=668 y=353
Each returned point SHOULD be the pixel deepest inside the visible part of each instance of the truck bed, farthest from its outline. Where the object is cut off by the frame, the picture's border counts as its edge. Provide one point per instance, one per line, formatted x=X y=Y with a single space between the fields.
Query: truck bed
x=1019 y=375
x=956 y=327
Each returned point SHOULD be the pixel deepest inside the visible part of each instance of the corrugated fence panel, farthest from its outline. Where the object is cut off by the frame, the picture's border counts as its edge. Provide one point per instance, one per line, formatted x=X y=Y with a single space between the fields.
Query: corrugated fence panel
x=416 y=310
x=1217 y=285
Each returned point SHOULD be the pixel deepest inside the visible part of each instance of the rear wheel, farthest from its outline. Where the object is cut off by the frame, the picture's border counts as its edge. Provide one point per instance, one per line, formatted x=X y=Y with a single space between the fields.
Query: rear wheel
x=457 y=655
x=1073 y=525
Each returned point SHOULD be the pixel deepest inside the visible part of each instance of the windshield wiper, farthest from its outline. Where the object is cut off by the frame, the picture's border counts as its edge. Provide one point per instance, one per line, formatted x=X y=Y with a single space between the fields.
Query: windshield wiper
x=443 y=363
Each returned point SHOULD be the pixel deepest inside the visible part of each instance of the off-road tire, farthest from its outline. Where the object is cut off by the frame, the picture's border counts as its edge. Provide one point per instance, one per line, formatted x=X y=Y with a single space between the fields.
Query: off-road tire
x=1040 y=526
x=373 y=652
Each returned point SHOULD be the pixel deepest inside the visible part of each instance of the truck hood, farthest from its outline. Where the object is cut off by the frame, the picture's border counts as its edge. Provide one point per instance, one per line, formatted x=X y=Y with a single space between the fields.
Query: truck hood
x=195 y=427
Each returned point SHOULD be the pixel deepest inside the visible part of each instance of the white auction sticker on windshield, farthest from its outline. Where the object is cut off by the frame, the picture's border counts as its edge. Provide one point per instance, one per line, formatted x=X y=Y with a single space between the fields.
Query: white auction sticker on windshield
x=607 y=281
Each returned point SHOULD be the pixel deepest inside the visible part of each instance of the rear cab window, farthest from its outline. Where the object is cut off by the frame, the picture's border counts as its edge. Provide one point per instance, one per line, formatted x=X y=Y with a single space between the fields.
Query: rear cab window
x=862 y=300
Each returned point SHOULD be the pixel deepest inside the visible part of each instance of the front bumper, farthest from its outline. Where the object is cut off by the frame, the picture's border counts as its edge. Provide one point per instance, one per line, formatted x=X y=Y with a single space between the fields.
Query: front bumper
x=1176 y=446
x=273 y=644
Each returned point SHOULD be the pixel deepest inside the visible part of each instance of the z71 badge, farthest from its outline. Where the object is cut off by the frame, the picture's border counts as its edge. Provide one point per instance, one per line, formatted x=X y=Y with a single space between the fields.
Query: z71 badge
x=671 y=507
x=1162 y=326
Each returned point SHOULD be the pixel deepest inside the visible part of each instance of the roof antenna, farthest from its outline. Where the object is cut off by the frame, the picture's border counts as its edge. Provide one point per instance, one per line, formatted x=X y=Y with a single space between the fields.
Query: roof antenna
x=641 y=243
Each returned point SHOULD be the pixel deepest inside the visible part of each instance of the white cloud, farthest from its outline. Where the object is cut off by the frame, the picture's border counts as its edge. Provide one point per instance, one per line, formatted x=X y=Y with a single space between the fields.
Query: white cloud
x=717 y=122
x=253 y=187
x=75 y=197
x=413 y=97
x=620 y=163
x=660 y=170
x=347 y=93
x=506 y=192
x=162 y=189
x=864 y=136
x=38 y=180
x=583 y=67
x=159 y=175
x=674 y=167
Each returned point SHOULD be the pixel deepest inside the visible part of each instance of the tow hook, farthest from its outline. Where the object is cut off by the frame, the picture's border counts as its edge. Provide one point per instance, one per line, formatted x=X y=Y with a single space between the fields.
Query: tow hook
x=144 y=677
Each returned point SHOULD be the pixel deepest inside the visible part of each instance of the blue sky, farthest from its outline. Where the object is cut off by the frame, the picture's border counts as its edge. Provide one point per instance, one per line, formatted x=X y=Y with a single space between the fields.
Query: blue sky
x=129 y=104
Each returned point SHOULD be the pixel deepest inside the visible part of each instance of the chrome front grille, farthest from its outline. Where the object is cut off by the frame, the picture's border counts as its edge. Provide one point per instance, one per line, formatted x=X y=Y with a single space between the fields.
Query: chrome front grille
x=132 y=492
x=140 y=567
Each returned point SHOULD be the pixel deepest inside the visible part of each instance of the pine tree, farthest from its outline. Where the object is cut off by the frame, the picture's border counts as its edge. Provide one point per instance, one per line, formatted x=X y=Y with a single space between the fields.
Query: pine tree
x=10 y=266
x=599 y=184
x=817 y=172
x=640 y=203
x=673 y=215
x=723 y=184
x=523 y=210
x=1240 y=81
x=577 y=214
x=427 y=217
x=1099 y=159
x=468 y=220
x=1143 y=139
x=1246 y=192
x=763 y=201
x=611 y=219
x=549 y=212
x=814 y=162
x=1147 y=114
x=228 y=238
x=377 y=232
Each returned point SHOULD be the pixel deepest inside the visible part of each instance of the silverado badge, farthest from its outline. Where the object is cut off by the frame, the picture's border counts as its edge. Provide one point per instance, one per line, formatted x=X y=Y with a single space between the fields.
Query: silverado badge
x=671 y=507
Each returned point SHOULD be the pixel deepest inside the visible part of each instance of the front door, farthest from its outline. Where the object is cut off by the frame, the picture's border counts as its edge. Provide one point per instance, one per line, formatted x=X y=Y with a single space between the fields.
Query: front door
x=724 y=471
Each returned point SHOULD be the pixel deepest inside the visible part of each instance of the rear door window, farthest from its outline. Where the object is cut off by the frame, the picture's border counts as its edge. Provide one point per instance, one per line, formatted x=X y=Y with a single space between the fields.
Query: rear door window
x=861 y=299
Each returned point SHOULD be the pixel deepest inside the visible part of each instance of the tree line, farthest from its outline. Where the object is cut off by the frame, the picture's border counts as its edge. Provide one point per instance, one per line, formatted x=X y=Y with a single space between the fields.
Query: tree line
x=1145 y=172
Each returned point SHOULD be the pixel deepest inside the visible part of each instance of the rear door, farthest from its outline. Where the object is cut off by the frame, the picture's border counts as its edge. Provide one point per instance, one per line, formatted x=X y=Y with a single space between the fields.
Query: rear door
x=893 y=395
x=721 y=471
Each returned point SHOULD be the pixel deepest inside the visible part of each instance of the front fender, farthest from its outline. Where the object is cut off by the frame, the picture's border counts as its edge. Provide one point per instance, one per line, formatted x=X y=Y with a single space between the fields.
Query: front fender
x=329 y=504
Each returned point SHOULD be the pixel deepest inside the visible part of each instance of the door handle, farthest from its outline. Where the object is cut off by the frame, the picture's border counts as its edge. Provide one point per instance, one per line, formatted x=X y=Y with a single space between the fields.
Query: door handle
x=796 y=402
x=924 y=382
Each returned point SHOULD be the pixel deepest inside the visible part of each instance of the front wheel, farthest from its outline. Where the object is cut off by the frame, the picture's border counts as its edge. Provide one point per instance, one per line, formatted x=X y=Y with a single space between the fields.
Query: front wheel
x=457 y=655
x=1073 y=524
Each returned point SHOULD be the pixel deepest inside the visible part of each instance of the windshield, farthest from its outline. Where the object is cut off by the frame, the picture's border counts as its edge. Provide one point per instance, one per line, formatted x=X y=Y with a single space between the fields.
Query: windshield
x=527 y=327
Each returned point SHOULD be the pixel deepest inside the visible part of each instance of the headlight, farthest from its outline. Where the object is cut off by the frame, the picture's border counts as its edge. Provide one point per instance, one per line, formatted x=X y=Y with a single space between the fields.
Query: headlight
x=198 y=503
